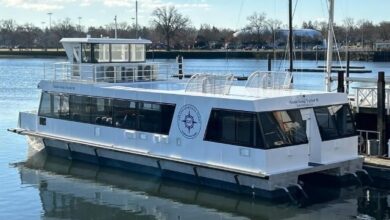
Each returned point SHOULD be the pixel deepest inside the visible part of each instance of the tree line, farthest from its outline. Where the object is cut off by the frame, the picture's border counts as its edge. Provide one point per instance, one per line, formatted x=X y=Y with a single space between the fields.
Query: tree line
x=169 y=29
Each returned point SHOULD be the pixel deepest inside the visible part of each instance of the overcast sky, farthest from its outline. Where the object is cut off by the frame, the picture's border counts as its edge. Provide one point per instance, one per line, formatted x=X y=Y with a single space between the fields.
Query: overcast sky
x=220 y=13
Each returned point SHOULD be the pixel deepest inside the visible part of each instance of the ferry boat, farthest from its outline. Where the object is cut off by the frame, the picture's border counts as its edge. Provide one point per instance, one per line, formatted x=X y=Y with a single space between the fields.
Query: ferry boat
x=108 y=106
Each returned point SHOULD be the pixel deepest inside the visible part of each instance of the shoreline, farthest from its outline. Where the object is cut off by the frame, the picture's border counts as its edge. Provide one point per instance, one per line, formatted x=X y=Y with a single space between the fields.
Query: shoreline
x=375 y=56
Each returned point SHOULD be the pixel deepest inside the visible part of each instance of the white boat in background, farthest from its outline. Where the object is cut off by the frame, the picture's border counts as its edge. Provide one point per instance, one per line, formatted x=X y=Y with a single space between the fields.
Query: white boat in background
x=108 y=106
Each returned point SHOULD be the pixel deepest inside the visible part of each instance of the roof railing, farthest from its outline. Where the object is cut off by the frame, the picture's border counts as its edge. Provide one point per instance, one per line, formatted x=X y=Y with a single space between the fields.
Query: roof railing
x=269 y=80
x=109 y=72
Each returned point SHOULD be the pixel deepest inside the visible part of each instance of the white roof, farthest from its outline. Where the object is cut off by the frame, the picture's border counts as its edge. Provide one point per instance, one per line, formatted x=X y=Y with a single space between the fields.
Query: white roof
x=105 y=40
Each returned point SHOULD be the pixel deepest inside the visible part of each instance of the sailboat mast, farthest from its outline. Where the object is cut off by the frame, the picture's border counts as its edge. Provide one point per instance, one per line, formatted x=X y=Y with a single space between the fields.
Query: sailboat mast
x=329 y=51
x=290 y=38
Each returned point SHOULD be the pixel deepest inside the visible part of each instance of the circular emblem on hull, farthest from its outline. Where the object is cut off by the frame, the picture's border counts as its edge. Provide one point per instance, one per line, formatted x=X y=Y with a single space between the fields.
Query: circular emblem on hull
x=189 y=121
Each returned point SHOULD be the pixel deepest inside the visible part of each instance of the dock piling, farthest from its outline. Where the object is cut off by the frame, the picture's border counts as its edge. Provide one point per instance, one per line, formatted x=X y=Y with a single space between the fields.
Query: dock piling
x=269 y=62
x=179 y=60
x=340 y=81
x=381 y=114
x=347 y=73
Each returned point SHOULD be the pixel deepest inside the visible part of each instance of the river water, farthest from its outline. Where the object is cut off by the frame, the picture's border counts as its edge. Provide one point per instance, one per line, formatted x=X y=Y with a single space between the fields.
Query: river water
x=41 y=187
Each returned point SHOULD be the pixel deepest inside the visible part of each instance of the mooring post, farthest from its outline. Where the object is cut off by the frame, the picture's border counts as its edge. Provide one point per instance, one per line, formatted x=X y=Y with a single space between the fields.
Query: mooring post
x=381 y=114
x=340 y=81
x=269 y=62
x=179 y=59
x=346 y=80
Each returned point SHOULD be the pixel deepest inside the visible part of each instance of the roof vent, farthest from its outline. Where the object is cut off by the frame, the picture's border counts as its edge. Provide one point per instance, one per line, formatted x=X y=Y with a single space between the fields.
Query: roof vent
x=88 y=36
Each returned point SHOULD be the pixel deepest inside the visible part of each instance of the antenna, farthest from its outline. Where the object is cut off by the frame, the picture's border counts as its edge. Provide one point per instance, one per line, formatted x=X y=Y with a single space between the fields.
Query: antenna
x=116 y=27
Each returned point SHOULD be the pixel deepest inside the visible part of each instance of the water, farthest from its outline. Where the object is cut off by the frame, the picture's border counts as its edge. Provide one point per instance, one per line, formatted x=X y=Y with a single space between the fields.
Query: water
x=51 y=188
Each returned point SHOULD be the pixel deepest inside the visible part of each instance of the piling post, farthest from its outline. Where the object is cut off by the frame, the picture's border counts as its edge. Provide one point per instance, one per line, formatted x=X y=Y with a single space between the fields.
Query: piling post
x=269 y=62
x=340 y=81
x=347 y=73
x=381 y=114
x=179 y=59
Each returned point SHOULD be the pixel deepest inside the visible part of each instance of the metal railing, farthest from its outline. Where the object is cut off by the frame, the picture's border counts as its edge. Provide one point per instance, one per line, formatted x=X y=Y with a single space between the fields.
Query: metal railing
x=269 y=80
x=109 y=72
x=368 y=142
x=367 y=97
x=210 y=83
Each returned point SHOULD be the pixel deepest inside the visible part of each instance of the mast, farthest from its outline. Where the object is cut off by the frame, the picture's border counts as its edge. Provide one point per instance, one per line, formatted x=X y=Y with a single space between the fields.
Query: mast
x=290 y=38
x=330 y=46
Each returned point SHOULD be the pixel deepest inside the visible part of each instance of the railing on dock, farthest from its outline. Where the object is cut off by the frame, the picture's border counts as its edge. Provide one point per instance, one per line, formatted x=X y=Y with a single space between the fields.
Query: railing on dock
x=367 y=97
x=368 y=142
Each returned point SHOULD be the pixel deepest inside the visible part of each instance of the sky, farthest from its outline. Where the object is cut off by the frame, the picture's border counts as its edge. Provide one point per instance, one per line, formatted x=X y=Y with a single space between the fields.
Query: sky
x=220 y=13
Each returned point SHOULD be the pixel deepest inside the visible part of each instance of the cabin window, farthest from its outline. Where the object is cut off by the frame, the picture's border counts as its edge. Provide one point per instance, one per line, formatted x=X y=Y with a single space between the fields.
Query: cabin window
x=137 y=52
x=335 y=121
x=54 y=106
x=80 y=108
x=86 y=53
x=233 y=127
x=136 y=115
x=264 y=130
x=101 y=111
x=101 y=53
x=154 y=117
x=282 y=128
x=119 y=52
x=45 y=105
x=125 y=114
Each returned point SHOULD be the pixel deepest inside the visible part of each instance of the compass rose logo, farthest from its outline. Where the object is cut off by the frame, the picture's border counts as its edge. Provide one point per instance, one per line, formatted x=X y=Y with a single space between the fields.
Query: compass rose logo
x=189 y=121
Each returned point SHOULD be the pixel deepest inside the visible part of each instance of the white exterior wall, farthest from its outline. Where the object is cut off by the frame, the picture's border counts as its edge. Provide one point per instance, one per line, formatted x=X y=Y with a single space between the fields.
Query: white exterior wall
x=196 y=149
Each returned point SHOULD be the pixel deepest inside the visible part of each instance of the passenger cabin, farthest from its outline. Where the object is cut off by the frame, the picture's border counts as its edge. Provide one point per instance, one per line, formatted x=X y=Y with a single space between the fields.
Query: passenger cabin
x=107 y=60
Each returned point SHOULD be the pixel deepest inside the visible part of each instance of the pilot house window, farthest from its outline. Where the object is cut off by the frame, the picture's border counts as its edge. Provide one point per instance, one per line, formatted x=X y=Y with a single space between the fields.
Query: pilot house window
x=264 y=130
x=335 y=121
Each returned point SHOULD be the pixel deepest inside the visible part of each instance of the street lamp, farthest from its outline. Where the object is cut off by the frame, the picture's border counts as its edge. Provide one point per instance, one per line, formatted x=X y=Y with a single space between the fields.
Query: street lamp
x=50 y=13
x=79 y=23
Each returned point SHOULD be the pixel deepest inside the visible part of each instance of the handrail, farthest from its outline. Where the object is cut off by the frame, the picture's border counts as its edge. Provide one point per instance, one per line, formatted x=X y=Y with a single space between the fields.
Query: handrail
x=108 y=72
x=367 y=97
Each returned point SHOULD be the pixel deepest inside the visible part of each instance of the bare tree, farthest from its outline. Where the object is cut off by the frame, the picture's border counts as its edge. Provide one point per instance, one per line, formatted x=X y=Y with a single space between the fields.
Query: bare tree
x=257 y=23
x=169 y=22
x=348 y=24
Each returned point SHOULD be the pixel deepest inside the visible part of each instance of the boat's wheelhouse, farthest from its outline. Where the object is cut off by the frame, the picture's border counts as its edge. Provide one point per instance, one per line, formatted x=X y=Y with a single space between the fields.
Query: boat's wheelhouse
x=107 y=60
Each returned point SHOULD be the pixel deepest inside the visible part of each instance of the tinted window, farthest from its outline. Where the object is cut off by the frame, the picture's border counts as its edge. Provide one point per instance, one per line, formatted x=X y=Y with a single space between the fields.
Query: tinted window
x=334 y=121
x=154 y=117
x=128 y=114
x=54 y=106
x=125 y=114
x=101 y=111
x=45 y=106
x=232 y=127
x=80 y=108
x=282 y=128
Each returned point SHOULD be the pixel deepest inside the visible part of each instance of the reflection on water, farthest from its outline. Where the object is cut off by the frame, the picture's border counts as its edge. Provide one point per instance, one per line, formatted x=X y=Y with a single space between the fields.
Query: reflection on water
x=70 y=189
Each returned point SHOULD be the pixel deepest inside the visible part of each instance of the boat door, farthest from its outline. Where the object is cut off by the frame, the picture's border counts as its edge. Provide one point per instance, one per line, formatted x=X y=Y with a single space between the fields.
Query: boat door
x=313 y=136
